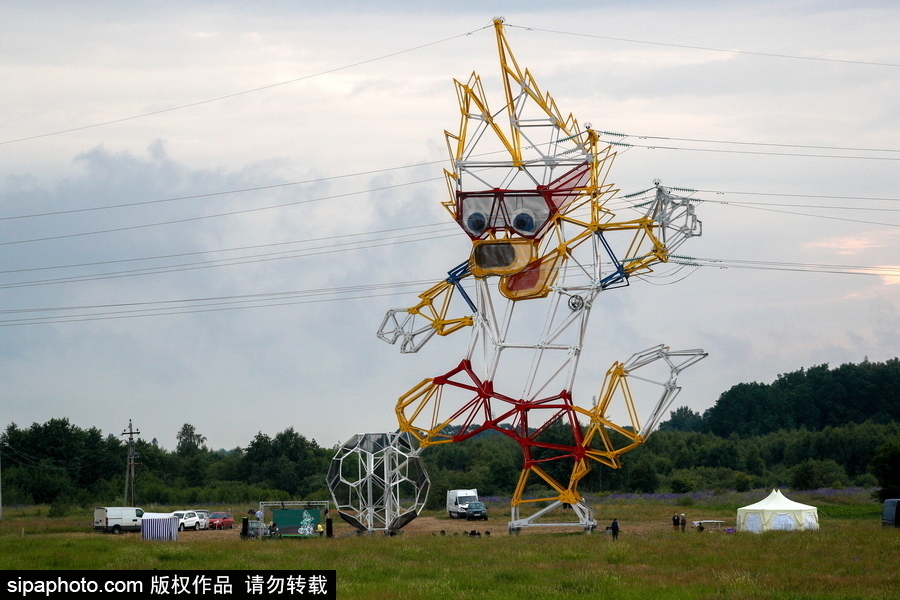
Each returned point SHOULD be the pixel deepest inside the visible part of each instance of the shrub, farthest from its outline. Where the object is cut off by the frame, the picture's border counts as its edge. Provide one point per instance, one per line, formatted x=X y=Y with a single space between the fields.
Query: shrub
x=742 y=482
x=683 y=481
x=814 y=474
x=59 y=509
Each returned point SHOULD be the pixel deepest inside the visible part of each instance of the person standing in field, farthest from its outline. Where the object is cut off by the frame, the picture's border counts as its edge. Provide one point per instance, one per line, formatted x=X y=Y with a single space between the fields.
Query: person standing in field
x=682 y=522
x=614 y=528
x=676 y=521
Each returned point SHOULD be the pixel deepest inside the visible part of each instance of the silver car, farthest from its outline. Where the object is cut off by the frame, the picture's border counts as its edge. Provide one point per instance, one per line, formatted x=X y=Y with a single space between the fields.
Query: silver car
x=257 y=529
x=204 y=518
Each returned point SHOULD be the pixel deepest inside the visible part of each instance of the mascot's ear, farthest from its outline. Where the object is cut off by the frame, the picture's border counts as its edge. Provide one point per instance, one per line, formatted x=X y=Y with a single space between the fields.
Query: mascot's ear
x=535 y=280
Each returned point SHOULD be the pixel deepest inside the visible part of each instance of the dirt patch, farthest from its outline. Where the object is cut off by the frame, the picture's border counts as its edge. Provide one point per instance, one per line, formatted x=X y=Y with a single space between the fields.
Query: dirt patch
x=434 y=525
x=429 y=525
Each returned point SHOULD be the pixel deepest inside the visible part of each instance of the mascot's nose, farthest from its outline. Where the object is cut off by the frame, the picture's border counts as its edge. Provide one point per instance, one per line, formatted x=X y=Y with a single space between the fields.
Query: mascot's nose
x=501 y=257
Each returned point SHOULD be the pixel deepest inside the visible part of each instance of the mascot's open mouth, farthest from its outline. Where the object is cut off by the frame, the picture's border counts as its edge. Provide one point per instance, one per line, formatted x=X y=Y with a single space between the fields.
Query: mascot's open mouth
x=501 y=257
x=494 y=256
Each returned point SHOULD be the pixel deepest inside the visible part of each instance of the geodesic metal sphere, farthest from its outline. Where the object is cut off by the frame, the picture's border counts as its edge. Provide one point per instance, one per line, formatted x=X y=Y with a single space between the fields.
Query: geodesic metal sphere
x=378 y=481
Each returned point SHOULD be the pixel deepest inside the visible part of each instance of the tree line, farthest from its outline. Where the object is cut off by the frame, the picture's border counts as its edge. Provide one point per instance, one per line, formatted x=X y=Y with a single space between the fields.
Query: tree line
x=58 y=462
x=813 y=399
x=809 y=429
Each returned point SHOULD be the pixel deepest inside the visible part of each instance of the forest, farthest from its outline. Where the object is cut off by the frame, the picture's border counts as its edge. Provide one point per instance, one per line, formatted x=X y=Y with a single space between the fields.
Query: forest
x=810 y=429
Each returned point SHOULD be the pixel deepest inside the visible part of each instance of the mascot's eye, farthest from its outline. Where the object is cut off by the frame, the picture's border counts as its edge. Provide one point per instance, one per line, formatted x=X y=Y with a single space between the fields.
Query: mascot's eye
x=476 y=223
x=475 y=214
x=523 y=222
x=526 y=214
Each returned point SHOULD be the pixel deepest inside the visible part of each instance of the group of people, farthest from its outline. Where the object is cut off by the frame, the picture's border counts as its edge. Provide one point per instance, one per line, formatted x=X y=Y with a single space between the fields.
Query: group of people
x=680 y=521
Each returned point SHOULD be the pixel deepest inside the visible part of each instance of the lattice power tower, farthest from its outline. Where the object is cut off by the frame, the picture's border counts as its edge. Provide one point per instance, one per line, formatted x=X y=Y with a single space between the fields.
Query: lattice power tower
x=529 y=187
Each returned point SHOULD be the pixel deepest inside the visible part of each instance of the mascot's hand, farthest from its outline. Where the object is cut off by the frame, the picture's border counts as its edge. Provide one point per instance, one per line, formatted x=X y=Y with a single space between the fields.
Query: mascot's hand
x=400 y=324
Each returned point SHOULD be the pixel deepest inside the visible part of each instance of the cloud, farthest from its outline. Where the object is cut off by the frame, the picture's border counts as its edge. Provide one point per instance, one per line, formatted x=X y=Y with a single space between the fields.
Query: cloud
x=890 y=275
x=250 y=265
x=850 y=245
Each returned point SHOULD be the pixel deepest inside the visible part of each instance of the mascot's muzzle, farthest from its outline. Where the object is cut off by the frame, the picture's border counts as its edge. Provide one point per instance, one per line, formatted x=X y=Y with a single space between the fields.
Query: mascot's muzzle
x=501 y=257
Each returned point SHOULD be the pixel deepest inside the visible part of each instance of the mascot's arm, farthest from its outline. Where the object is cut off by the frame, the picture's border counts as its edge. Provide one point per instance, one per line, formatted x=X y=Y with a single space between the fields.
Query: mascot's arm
x=415 y=325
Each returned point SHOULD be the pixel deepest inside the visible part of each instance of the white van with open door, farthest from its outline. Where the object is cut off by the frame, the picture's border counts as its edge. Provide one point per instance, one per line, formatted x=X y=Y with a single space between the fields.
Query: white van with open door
x=458 y=502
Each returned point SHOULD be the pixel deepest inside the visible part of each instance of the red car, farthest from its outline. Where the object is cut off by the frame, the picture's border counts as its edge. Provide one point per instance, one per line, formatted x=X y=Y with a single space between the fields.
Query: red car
x=221 y=520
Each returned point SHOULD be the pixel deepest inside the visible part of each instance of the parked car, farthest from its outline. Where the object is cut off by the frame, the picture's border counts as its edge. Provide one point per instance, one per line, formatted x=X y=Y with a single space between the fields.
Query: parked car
x=257 y=529
x=476 y=510
x=188 y=519
x=204 y=518
x=221 y=520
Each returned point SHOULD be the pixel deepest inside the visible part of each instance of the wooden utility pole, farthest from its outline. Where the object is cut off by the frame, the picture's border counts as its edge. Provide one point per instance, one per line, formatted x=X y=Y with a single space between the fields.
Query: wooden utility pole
x=130 y=499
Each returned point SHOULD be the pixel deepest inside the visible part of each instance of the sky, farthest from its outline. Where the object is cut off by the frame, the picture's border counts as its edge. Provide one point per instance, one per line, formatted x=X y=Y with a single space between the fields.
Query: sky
x=206 y=208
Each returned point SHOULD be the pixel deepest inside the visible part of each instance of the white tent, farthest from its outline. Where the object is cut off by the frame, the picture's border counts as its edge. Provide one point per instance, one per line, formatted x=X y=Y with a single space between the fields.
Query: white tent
x=777 y=513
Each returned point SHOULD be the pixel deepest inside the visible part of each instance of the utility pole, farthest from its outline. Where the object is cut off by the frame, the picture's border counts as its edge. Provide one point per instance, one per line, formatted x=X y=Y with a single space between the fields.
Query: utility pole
x=3 y=445
x=1 y=482
x=130 y=499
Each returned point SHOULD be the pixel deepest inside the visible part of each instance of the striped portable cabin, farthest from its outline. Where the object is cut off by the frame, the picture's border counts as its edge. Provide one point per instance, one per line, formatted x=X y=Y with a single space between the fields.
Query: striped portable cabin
x=160 y=527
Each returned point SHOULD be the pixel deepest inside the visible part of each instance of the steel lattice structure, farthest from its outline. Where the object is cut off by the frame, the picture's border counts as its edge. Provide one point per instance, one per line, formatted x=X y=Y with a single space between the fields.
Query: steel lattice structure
x=378 y=481
x=529 y=187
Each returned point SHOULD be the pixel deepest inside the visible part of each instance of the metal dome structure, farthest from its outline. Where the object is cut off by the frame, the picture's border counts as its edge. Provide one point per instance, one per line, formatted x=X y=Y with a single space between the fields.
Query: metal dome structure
x=378 y=481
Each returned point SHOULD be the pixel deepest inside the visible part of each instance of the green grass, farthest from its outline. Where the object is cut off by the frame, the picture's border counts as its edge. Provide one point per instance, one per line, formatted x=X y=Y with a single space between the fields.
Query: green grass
x=850 y=557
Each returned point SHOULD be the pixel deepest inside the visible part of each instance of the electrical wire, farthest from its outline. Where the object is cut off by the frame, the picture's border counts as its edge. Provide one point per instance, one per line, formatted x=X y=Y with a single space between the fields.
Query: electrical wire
x=801 y=214
x=365 y=291
x=440 y=228
x=740 y=143
x=758 y=153
x=341 y=247
x=343 y=176
x=216 y=215
x=305 y=253
x=426 y=45
x=241 y=93
x=219 y=193
x=881 y=271
x=706 y=48
x=360 y=293
x=33 y=462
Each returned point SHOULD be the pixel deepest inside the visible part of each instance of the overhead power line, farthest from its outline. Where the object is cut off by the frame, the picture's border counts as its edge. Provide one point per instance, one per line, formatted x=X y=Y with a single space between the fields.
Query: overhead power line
x=364 y=240
x=241 y=260
x=752 y=206
x=741 y=143
x=71 y=314
x=892 y=271
x=217 y=304
x=361 y=234
x=426 y=45
x=240 y=93
x=259 y=188
x=216 y=215
x=757 y=152
x=442 y=161
x=707 y=48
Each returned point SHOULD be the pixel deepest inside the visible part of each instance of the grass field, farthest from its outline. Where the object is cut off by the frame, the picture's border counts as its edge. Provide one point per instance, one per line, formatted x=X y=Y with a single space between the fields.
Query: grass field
x=851 y=556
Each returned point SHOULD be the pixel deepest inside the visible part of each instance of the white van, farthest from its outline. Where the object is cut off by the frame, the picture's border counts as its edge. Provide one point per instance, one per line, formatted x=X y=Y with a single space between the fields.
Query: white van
x=116 y=519
x=458 y=502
